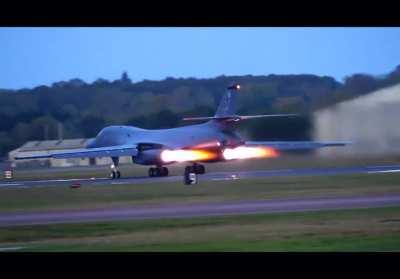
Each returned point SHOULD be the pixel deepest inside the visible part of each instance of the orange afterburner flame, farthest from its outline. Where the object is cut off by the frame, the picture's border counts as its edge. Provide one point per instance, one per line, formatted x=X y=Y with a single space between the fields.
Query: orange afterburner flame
x=182 y=155
x=244 y=152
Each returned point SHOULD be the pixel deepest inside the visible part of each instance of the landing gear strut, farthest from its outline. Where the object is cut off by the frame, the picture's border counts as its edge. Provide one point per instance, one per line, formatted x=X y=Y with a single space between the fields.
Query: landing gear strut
x=191 y=172
x=115 y=173
x=158 y=171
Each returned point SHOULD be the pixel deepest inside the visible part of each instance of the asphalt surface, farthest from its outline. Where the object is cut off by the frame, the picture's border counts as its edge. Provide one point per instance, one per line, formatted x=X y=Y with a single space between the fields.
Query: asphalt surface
x=216 y=176
x=197 y=210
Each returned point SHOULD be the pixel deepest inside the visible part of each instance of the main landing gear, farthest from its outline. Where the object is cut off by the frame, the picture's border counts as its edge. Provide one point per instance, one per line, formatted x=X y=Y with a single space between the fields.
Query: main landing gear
x=115 y=173
x=191 y=172
x=158 y=171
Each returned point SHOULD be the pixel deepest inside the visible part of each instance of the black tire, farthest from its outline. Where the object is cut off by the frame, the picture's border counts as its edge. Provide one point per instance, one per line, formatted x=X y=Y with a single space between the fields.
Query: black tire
x=118 y=174
x=157 y=172
x=151 y=172
x=164 y=171
x=112 y=175
x=188 y=170
x=201 y=169
x=198 y=169
x=186 y=179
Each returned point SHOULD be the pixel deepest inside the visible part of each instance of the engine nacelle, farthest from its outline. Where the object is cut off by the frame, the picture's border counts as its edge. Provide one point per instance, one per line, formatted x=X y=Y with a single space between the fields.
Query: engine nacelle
x=148 y=157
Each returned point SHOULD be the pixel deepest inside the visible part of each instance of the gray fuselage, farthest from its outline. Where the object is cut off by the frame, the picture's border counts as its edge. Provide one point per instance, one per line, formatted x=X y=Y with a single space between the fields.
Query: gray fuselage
x=156 y=140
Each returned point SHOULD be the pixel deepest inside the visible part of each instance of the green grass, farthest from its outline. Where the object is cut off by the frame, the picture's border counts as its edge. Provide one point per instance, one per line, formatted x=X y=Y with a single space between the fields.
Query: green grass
x=299 y=244
x=339 y=230
x=206 y=191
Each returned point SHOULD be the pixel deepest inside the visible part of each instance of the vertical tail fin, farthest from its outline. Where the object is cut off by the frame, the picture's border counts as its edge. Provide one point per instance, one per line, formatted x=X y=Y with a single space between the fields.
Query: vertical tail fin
x=226 y=111
x=227 y=106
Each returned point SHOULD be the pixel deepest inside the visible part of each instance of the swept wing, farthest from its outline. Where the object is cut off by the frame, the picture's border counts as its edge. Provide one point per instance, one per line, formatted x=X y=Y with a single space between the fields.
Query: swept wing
x=111 y=151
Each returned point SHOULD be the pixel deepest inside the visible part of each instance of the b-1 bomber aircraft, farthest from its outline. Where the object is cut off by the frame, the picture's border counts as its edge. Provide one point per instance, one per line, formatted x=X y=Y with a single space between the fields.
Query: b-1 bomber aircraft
x=212 y=141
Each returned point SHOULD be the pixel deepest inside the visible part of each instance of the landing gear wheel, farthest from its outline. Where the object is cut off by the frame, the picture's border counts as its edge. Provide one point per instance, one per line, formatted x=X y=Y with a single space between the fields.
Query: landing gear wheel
x=189 y=169
x=151 y=172
x=115 y=174
x=186 y=179
x=200 y=169
x=189 y=177
x=197 y=169
x=114 y=168
x=164 y=171
x=157 y=172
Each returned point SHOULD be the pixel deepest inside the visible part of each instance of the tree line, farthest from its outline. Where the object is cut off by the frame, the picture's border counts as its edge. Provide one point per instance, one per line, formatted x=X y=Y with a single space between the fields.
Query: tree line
x=85 y=108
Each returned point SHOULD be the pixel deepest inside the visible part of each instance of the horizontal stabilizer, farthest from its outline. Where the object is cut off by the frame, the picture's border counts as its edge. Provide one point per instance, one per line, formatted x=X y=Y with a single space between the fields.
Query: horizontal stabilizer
x=236 y=117
x=243 y=117
x=296 y=145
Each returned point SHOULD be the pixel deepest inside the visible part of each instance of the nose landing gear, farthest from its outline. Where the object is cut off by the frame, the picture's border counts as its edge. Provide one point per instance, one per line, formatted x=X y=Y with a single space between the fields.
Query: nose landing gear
x=115 y=173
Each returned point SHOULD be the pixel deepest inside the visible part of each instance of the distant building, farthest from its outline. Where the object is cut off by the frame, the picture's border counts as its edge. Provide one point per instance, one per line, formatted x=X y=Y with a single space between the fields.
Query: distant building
x=370 y=121
x=40 y=147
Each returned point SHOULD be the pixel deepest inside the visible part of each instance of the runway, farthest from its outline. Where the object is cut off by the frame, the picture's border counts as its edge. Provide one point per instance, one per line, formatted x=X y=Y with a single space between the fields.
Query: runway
x=197 y=210
x=213 y=176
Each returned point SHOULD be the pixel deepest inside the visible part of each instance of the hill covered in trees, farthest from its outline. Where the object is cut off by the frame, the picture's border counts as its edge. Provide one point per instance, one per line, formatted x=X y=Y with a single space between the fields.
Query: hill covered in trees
x=84 y=108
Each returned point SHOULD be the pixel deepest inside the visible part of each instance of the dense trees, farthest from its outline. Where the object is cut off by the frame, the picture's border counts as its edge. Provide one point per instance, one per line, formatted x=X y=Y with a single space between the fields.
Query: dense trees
x=83 y=109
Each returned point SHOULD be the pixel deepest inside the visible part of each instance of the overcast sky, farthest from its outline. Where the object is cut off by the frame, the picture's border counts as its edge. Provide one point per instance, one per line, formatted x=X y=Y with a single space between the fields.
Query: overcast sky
x=31 y=57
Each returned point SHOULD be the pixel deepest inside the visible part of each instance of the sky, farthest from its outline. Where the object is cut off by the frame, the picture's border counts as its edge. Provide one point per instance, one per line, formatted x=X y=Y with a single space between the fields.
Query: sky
x=30 y=57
